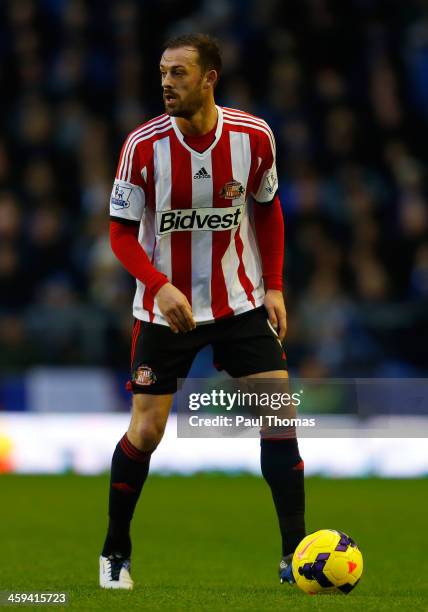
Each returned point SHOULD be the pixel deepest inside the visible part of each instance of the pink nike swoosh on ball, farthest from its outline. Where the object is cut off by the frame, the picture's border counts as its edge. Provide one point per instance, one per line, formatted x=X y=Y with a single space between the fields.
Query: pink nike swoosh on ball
x=302 y=552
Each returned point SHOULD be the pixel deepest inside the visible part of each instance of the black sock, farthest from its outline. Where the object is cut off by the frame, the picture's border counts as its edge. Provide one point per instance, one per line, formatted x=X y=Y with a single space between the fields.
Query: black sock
x=129 y=470
x=282 y=468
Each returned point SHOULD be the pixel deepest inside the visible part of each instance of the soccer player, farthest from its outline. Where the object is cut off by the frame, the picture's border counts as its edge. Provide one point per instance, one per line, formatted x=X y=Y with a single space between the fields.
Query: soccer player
x=196 y=220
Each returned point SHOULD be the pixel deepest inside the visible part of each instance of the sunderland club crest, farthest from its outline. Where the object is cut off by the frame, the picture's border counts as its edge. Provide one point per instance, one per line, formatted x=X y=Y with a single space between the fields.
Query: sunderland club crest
x=144 y=376
x=232 y=190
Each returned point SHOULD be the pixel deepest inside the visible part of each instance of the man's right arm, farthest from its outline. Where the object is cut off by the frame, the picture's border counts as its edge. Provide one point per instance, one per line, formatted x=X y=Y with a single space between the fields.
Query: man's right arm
x=127 y=203
x=172 y=303
x=125 y=245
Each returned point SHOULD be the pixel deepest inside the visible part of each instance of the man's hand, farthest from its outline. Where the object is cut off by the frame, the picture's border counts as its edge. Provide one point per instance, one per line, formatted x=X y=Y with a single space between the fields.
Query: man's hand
x=274 y=303
x=176 y=309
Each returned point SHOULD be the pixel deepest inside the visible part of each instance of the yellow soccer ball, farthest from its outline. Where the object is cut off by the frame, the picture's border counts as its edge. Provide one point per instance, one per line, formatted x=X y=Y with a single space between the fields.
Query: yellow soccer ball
x=327 y=561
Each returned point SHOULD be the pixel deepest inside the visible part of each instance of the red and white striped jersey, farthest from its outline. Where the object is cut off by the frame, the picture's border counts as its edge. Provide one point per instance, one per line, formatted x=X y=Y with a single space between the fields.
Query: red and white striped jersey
x=195 y=210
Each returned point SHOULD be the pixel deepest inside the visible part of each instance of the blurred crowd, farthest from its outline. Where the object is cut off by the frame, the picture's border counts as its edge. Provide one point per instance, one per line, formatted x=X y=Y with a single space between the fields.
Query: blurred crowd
x=344 y=86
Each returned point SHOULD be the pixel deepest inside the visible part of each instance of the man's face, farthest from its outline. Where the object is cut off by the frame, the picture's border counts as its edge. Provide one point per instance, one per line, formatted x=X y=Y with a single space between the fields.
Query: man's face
x=182 y=82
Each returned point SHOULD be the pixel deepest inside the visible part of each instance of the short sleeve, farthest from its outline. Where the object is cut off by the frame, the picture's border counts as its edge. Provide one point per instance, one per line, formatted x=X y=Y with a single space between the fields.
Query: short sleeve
x=128 y=196
x=265 y=186
x=127 y=201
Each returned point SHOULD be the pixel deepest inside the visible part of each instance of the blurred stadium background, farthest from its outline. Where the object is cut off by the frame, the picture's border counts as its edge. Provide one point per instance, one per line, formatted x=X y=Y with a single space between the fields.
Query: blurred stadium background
x=344 y=86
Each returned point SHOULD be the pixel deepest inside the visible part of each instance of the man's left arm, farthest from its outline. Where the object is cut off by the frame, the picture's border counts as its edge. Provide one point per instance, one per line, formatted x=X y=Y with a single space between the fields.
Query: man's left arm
x=269 y=226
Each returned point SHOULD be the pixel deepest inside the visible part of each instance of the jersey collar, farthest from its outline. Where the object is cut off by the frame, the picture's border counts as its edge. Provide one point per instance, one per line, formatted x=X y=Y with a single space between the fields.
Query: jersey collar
x=218 y=132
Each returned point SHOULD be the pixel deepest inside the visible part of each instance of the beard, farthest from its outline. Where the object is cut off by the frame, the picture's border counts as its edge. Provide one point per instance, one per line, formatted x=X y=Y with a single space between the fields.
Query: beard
x=179 y=111
x=184 y=108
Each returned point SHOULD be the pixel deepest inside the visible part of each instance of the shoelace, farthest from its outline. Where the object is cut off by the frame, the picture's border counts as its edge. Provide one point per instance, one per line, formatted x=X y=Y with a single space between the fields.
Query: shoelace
x=115 y=565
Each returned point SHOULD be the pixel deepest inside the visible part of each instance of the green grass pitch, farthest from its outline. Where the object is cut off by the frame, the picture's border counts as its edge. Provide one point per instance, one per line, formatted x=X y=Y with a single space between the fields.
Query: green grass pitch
x=210 y=542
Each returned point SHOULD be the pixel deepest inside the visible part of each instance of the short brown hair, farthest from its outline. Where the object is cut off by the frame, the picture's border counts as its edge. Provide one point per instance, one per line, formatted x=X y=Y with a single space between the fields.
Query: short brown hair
x=206 y=45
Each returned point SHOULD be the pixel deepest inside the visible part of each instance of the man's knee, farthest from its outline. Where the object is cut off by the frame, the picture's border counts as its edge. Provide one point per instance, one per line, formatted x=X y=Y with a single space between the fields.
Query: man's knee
x=150 y=432
x=146 y=432
x=149 y=416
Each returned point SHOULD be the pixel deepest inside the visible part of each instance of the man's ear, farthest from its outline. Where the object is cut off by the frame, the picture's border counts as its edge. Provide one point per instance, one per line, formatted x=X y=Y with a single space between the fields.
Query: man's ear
x=211 y=79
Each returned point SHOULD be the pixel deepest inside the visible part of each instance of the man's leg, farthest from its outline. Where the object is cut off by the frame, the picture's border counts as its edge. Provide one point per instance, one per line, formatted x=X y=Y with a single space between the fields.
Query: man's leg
x=249 y=349
x=283 y=469
x=130 y=467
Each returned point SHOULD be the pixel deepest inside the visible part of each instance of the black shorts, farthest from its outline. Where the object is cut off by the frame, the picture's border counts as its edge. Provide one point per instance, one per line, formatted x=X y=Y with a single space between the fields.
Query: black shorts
x=242 y=345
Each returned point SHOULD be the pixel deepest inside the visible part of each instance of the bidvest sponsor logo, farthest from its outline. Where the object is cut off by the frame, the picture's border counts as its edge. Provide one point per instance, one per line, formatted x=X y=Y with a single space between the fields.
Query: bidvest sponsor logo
x=198 y=219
